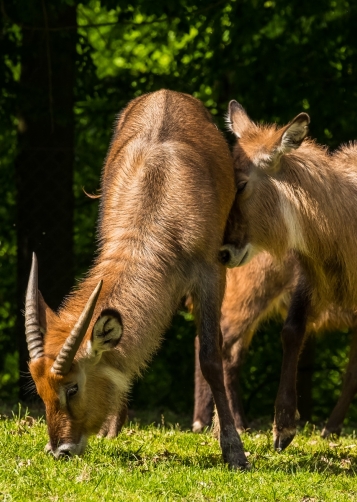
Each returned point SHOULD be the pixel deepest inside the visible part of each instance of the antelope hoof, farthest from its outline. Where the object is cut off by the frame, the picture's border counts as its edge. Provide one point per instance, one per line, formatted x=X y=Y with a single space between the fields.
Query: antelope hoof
x=283 y=438
x=236 y=461
x=331 y=431
x=232 y=450
x=198 y=426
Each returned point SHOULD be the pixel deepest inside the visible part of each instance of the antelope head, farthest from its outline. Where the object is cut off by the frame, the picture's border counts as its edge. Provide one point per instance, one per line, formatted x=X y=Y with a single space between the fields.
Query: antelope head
x=260 y=219
x=77 y=391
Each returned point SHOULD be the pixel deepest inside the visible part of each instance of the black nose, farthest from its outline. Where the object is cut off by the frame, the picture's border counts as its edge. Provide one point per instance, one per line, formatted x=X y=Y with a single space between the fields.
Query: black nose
x=65 y=454
x=224 y=256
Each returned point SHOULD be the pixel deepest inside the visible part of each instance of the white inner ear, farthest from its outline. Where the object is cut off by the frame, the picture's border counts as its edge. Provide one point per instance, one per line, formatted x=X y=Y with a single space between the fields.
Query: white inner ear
x=107 y=332
x=106 y=324
x=293 y=136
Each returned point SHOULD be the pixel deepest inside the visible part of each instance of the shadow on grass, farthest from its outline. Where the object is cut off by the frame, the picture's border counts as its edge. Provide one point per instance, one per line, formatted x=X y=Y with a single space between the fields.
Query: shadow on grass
x=293 y=464
x=136 y=459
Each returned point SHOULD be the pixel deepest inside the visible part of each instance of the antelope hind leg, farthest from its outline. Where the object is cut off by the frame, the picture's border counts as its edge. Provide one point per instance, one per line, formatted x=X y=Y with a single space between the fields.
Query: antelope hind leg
x=293 y=333
x=203 y=409
x=231 y=366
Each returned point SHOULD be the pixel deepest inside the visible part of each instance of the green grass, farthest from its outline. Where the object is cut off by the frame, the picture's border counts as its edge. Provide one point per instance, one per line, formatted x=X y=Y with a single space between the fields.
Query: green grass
x=162 y=463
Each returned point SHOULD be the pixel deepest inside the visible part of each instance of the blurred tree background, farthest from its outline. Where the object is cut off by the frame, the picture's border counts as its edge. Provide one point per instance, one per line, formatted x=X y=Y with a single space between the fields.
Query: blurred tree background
x=67 y=69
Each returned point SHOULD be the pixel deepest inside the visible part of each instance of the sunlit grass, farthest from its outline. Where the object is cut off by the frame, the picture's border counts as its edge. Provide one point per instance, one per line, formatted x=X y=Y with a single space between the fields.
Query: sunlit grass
x=158 y=462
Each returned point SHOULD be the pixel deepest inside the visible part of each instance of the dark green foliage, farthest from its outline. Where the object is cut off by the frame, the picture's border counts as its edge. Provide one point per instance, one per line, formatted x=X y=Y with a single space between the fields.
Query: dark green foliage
x=332 y=355
x=261 y=371
x=9 y=74
x=277 y=58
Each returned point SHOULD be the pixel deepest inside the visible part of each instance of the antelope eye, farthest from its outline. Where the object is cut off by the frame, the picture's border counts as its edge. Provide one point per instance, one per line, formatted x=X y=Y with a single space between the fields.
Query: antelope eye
x=72 y=391
x=241 y=186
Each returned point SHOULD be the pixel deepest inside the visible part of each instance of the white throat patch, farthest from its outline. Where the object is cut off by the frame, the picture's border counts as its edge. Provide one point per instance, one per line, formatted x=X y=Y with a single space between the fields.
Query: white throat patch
x=295 y=233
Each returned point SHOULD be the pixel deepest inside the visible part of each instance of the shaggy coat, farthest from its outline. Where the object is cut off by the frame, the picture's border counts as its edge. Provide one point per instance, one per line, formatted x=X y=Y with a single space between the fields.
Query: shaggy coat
x=292 y=194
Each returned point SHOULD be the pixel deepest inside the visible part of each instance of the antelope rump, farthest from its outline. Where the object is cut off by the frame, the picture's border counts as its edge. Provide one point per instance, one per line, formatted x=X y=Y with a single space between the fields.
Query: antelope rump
x=167 y=189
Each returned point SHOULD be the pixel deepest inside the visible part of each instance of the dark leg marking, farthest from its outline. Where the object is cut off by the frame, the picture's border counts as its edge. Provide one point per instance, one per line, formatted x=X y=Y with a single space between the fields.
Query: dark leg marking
x=293 y=333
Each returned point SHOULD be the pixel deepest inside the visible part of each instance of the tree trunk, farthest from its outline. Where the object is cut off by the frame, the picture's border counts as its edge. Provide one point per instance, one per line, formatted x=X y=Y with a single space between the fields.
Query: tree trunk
x=44 y=166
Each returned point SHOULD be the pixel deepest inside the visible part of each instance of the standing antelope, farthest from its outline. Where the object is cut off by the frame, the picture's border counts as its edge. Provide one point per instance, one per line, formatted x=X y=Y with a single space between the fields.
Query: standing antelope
x=257 y=291
x=293 y=194
x=167 y=188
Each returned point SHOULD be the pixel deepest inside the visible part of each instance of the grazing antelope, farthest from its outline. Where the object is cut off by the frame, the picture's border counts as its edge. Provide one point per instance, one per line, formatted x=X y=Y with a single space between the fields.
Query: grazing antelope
x=292 y=194
x=257 y=291
x=167 y=188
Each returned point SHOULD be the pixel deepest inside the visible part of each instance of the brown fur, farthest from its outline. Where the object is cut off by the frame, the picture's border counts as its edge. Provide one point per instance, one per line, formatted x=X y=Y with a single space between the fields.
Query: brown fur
x=167 y=188
x=319 y=189
x=294 y=195
x=259 y=290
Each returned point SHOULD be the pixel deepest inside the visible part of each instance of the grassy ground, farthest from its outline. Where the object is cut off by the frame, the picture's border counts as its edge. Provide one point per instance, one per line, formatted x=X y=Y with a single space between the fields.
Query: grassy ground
x=163 y=463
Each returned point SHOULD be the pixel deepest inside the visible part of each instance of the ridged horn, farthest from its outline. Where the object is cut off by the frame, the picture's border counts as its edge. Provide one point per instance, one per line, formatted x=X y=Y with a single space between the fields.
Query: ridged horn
x=64 y=360
x=32 y=323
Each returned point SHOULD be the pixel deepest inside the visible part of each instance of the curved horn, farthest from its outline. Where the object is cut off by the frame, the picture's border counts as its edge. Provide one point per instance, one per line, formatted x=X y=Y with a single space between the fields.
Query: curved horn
x=32 y=324
x=64 y=360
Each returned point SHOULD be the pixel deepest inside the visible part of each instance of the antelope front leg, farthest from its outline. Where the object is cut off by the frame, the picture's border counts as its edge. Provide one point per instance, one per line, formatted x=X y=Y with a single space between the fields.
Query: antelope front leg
x=284 y=427
x=207 y=316
x=114 y=424
x=349 y=389
x=203 y=409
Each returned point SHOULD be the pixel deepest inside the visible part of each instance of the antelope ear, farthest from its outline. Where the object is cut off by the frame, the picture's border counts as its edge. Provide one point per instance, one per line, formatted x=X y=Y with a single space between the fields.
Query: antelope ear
x=237 y=118
x=45 y=313
x=107 y=331
x=294 y=133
